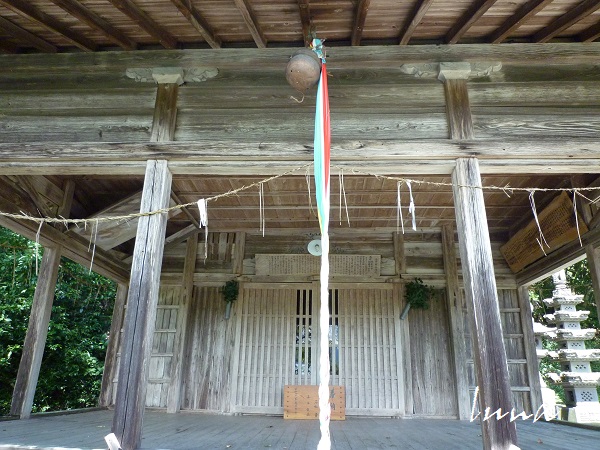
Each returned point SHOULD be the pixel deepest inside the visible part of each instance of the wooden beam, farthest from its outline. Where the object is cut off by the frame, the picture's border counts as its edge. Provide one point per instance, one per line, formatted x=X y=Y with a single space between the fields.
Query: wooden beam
x=185 y=209
x=30 y=12
x=190 y=12
x=273 y=59
x=304 y=8
x=29 y=39
x=458 y=109
x=592 y=254
x=38 y=201
x=435 y=156
x=399 y=253
x=590 y=34
x=165 y=113
x=415 y=18
x=521 y=15
x=489 y=353
x=582 y=205
x=135 y=13
x=114 y=339
x=533 y=365
x=64 y=209
x=251 y=22
x=455 y=300
x=141 y=308
x=181 y=341
x=472 y=15
x=573 y=16
x=37 y=331
x=560 y=258
x=74 y=247
x=180 y=235
x=239 y=253
x=8 y=48
x=360 y=17
x=94 y=21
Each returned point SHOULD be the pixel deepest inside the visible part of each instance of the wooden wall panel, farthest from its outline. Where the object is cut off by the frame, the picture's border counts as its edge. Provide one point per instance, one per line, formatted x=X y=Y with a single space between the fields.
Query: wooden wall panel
x=433 y=376
x=75 y=113
x=206 y=371
x=163 y=346
x=513 y=337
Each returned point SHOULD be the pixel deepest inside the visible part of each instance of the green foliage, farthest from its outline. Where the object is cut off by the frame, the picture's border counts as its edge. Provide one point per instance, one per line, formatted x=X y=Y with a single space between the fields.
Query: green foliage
x=230 y=291
x=418 y=294
x=73 y=360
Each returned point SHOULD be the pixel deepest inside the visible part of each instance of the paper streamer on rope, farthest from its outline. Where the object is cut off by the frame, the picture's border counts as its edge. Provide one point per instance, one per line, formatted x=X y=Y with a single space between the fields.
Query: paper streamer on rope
x=204 y=223
x=411 y=207
x=322 y=192
x=399 y=218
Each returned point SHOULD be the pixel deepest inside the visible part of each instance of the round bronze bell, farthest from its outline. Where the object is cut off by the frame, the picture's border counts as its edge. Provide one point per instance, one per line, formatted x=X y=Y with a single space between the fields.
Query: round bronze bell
x=303 y=70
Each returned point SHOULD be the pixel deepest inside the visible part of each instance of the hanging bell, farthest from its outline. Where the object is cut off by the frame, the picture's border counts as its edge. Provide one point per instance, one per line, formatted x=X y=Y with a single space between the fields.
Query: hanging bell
x=303 y=70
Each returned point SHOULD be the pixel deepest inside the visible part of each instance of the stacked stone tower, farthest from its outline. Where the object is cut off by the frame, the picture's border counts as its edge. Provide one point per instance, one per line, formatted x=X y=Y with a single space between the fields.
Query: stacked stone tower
x=577 y=378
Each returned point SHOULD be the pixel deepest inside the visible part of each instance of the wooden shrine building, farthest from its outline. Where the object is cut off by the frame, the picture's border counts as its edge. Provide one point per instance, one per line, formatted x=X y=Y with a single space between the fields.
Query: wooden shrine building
x=109 y=108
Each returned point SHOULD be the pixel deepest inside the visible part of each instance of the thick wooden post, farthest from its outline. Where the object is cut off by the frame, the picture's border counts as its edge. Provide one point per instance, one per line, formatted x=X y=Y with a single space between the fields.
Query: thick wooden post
x=482 y=299
x=114 y=338
x=37 y=331
x=141 y=307
x=180 y=344
x=593 y=260
x=455 y=308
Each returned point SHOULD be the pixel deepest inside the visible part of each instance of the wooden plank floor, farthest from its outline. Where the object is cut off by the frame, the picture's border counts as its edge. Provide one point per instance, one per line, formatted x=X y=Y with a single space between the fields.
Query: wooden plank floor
x=204 y=431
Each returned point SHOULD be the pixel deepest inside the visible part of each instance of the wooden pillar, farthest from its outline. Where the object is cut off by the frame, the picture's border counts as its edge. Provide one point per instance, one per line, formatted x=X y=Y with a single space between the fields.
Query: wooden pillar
x=142 y=300
x=37 y=331
x=593 y=260
x=533 y=370
x=457 y=334
x=482 y=299
x=114 y=338
x=180 y=344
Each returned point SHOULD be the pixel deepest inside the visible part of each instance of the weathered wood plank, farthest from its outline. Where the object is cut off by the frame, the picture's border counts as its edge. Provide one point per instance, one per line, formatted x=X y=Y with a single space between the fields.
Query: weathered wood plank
x=482 y=301
x=165 y=113
x=114 y=340
x=375 y=57
x=593 y=259
x=532 y=363
x=37 y=331
x=255 y=157
x=458 y=111
x=455 y=300
x=174 y=398
x=141 y=310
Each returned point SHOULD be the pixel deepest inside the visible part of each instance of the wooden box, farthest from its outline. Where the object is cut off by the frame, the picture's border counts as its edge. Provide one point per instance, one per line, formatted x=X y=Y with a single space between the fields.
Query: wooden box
x=302 y=402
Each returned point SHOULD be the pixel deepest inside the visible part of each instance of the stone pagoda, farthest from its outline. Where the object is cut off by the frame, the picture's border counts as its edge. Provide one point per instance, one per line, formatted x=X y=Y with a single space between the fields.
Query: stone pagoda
x=577 y=378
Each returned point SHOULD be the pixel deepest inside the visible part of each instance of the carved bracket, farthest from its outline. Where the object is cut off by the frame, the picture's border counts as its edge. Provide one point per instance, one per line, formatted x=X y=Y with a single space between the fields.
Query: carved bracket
x=451 y=70
x=172 y=74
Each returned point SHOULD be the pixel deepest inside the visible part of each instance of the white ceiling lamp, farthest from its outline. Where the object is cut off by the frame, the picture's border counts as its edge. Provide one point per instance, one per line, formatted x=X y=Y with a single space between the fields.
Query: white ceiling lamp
x=314 y=247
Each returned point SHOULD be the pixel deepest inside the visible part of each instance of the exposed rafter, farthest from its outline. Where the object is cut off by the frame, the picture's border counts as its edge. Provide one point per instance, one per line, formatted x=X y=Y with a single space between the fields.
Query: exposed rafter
x=251 y=23
x=25 y=9
x=590 y=34
x=582 y=10
x=417 y=14
x=475 y=11
x=198 y=22
x=304 y=7
x=522 y=15
x=94 y=21
x=136 y=14
x=28 y=39
x=359 y=21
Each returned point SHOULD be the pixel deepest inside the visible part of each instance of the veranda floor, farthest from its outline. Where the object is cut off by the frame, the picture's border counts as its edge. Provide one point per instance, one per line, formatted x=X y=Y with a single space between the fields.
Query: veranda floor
x=203 y=431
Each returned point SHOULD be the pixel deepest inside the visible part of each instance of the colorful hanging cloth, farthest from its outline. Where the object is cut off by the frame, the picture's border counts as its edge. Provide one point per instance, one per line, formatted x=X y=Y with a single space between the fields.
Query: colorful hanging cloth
x=322 y=190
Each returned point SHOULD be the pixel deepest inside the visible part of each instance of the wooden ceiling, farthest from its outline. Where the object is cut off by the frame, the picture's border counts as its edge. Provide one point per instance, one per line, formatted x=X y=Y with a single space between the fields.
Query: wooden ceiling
x=51 y=26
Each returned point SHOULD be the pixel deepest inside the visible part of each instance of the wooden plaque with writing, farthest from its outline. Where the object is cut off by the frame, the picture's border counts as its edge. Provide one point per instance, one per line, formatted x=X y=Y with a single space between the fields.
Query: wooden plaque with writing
x=557 y=221
x=302 y=402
